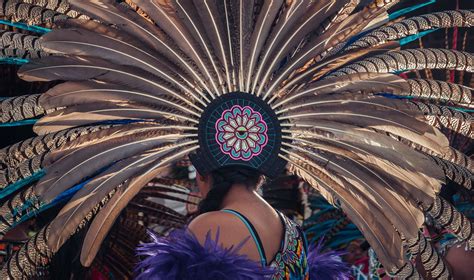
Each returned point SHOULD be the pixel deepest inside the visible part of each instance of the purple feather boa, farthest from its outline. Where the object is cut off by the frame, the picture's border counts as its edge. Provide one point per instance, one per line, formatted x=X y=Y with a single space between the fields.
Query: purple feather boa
x=326 y=266
x=181 y=256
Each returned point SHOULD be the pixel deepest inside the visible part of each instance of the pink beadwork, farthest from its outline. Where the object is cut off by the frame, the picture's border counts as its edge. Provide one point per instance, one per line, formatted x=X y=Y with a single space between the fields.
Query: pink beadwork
x=241 y=133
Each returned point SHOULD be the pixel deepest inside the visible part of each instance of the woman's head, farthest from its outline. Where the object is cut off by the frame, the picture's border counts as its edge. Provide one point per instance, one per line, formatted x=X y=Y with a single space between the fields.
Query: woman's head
x=216 y=185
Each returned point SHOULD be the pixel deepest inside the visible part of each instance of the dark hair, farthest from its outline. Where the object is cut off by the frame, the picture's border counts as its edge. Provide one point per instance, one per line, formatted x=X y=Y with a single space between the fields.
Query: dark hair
x=223 y=179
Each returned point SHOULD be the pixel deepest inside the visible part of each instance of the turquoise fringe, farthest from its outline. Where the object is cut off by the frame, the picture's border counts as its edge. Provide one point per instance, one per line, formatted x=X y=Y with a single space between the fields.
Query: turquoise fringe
x=19 y=123
x=13 y=60
x=24 y=26
x=465 y=110
x=66 y=195
x=401 y=12
x=21 y=183
x=414 y=37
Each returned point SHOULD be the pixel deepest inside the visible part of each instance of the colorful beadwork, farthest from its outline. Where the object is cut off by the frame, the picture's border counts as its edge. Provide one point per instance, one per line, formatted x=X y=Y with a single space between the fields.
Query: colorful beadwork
x=290 y=263
x=241 y=133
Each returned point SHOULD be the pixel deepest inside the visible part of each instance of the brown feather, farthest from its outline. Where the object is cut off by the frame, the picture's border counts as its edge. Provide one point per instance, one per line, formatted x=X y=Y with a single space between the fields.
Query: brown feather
x=103 y=112
x=164 y=14
x=317 y=48
x=367 y=184
x=264 y=22
x=378 y=231
x=85 y=162
x=88 y=92
x=81 y=42
x=298 y=20
x=105 y=218
x=85 y=68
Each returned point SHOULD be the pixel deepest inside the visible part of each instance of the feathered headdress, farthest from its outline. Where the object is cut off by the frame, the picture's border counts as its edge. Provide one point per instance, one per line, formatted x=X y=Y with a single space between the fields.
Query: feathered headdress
x=312 y=85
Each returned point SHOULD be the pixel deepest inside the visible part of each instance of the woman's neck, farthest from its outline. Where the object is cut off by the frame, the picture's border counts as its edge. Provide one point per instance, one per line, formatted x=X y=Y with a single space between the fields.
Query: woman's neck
x=239 y=194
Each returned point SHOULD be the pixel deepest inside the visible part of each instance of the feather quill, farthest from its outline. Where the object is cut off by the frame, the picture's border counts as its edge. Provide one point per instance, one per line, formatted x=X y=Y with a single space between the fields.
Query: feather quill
x=85 y=68
x=117 y=50
x=137 y=26
x=164 y=14
x=91 y=114
x=264 y=22
x=104 y=220
x=88 y=92
x=85 y=162
x=360 y=213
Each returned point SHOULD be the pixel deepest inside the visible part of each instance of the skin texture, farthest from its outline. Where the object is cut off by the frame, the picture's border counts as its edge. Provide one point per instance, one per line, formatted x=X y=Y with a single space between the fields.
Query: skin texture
x=232 y=231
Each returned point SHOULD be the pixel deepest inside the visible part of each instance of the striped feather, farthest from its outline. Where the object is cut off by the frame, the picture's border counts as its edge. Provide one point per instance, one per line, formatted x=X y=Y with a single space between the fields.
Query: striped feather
x=411 y=59
x=414 y=25
x=19 y=108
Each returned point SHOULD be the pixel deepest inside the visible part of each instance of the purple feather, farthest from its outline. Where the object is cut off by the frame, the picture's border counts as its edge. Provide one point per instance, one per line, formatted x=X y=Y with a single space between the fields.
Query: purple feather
x=181 y=256
x=326 y=266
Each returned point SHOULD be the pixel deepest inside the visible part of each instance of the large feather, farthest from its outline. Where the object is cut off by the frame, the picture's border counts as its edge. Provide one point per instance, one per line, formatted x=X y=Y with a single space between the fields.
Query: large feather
x=319 y=70
x=104 y=220
x=298 y=20
x=105 y=134
x=85 y=68
x=15 y=40
x=99 y=113
x=188 y=15
x=359 y=83
x=319 y=46
x=414 y=25
x=71 y=215
x=88 y=92
x=135 y=25
x=369 y=185
x=19 y=108
x=87 y=161
x=411 y=59
x=31 y=256
x=60 y=6
x=378 y=231
x=29 y=13
x=13 y=155
x=421 y=176
x=457 y=173
x=440 y=90
x=446 y=216
x=164 y=14
x=263 y=24
x=111 y=48
x=213 y=15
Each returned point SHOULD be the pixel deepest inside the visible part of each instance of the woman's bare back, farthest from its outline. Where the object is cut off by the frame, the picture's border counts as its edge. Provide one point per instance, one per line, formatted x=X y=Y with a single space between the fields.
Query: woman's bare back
x=260 y=214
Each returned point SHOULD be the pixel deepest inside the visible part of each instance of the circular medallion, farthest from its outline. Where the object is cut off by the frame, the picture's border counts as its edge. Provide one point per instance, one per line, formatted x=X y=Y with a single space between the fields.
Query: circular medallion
x=241 y=132
x=239 y=129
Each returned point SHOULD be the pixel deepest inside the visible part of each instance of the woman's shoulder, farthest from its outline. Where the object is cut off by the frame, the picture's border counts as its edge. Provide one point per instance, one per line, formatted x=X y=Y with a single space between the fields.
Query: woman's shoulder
x=217 y=222
x=210 y=220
